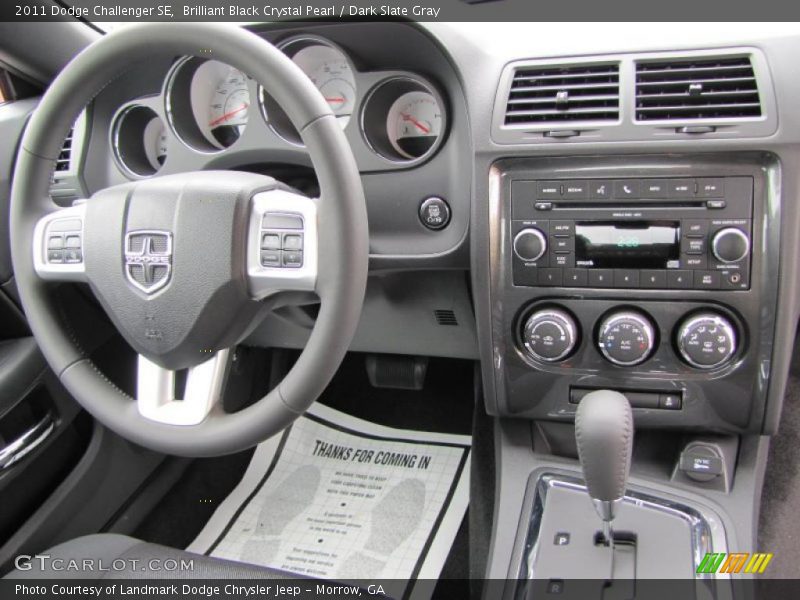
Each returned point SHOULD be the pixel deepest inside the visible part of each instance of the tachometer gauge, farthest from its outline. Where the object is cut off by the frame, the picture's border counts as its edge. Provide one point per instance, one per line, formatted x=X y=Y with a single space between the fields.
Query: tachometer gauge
x=414 y=123
x=155 y=143
x=208 y=103
x=227 y=113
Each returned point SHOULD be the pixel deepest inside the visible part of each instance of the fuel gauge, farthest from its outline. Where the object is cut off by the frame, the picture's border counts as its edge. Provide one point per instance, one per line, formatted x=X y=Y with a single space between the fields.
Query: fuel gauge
x=414 y=123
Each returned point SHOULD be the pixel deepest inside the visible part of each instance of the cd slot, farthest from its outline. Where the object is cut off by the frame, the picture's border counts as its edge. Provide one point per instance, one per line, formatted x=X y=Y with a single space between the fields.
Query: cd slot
x=616 y=205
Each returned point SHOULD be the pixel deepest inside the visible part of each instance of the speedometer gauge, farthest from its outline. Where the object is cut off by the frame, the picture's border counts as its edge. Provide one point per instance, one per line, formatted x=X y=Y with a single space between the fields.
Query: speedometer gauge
x=414 y=123
x=330 y=71
x=208 y=103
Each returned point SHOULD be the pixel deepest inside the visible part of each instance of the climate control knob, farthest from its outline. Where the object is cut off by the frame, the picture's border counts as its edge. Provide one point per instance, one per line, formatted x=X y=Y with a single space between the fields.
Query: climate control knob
x=730 y=245
x=626 y=338
x=550 y=334
x=530 y=244
x=706 y=340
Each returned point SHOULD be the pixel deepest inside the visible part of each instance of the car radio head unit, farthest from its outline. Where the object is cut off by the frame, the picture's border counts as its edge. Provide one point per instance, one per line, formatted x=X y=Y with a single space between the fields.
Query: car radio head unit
x=633 y=233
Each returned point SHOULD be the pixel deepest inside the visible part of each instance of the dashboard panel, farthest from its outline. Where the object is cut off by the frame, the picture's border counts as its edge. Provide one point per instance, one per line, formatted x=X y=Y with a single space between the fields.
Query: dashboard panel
x=402 y=110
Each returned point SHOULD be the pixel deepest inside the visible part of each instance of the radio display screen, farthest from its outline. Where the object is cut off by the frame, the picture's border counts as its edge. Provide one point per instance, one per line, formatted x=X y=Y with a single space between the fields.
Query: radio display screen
x=627 y=244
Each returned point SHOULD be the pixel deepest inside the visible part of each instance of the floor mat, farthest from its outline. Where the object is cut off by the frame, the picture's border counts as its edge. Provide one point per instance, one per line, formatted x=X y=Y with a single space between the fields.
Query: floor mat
x=340 y=498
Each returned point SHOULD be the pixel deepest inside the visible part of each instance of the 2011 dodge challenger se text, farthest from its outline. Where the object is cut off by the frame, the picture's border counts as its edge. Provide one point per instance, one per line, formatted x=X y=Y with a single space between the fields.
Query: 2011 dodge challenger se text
x=410 y=300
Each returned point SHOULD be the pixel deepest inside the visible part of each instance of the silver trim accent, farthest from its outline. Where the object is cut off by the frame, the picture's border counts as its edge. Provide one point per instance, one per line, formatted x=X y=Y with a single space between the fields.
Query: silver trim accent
x=155 y=390
x=147 y=257
x=535 y=232
x=734 y=231
x=707 y=532
x=428 y=87
x=563 y=320
x=116 y=123
x=266 y=281
x=27 y=442
x=716 y=320
x=612 y=320
x=55 y=271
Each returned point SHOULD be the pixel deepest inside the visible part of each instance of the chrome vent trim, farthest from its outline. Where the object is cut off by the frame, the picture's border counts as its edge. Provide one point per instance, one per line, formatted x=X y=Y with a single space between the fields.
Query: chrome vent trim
x=697 y=89
x=559 y=94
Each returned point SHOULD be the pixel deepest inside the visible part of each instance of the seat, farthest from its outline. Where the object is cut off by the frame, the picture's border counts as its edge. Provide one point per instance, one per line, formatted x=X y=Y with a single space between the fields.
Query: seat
x=113 y=556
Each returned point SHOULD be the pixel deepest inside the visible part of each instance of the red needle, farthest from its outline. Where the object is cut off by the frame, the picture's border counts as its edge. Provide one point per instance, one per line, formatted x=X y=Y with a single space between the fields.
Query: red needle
x=335 y=99
x=419 y=125
x=227 y=115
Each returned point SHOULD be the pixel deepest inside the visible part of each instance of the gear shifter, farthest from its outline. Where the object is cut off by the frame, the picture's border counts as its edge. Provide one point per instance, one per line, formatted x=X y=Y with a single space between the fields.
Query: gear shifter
x=604 y=435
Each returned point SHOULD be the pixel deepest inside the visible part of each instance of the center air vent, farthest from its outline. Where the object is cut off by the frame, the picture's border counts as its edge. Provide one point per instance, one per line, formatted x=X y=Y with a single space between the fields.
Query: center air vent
x=563 y=94
x=701 y=88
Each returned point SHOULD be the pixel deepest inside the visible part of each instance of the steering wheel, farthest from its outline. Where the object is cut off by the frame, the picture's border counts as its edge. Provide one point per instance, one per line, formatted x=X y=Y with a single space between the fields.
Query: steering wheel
x=176 y=261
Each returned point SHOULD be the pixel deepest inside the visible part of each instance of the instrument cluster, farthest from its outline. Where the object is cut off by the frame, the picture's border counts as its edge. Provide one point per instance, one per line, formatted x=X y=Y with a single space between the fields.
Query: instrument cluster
x=207 y=105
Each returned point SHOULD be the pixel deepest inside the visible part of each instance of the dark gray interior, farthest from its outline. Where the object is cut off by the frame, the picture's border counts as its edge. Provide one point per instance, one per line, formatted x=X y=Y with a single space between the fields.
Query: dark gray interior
x=597 y=213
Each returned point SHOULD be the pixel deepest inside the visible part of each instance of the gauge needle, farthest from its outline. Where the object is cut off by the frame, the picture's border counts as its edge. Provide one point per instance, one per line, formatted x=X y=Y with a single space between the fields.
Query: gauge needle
x=228 y=115
x=419 y=125
x=334 y=99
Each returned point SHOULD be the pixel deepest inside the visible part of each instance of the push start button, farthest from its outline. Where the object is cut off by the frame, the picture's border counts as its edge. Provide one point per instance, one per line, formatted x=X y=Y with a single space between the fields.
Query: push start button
x=434 y=212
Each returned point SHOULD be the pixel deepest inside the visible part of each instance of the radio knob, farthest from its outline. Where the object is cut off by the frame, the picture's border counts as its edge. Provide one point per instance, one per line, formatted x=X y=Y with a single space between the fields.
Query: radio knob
x=730 y=245
x=706 y=340
x=550 y=335
x=530 y=244
x=626 y=338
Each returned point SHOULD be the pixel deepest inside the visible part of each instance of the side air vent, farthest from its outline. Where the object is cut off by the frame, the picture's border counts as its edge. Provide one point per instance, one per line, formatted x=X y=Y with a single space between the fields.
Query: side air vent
x=62 y=163
x=563 y=94
x=696 y=89
x=445 y=317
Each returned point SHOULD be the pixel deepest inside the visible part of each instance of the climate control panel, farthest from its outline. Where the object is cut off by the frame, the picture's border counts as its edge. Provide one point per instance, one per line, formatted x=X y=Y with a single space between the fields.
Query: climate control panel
x=626 y=337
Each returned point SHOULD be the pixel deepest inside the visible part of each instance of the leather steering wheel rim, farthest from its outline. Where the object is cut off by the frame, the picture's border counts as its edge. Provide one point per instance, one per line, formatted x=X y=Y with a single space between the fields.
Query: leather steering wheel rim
x=343 y=250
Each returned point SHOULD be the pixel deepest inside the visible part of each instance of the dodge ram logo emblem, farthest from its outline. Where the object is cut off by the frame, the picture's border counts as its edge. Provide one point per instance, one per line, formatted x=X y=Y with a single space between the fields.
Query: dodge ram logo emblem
x=148 y=259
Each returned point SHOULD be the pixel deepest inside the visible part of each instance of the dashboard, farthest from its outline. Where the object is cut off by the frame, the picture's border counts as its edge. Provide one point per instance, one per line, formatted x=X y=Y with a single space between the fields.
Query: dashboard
x=623 y=204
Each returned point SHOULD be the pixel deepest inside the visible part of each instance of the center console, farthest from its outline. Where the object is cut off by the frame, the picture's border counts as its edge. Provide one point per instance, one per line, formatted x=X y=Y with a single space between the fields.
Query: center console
x=653 y=276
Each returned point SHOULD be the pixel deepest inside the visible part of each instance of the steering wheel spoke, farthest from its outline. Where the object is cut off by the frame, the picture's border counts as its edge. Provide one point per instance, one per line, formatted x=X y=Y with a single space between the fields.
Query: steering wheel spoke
x=58 y=245
x=282 y=244
x=155 y=390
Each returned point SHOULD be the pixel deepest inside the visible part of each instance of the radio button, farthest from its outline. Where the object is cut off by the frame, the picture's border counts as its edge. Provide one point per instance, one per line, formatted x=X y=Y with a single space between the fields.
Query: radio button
x=694 y=261
x=562 y=244
x=715 y=204
x=548 y=189
x=711 y=188
x=680 y=188
x=654 y=188
x=601 y=278
x=680 y=280
x=575 y=189
x=543 y=206
x=550 y=276
x=600 y=189
x=626 y=278
x=706 y=280
x=562 y=259
x=695 y=228
x=561 y=228
x=530 y=244
x=576 y=277
x=693 y=246
x=730 y=245
x=627 y=188
x=653 y=279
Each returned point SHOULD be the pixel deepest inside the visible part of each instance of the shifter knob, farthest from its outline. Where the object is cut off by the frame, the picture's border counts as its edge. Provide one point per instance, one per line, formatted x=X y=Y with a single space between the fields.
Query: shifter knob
x=604 y=435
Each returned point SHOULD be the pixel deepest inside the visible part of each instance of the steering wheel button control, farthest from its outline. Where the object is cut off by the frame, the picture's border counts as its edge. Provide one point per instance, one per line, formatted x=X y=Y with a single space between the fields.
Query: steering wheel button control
x=293 y=241
x=271 y=258
x=271 y=241
x=73 y=241
x=55 y=256
x=55 y=242
x=292 y=259
x=281 y=221
x=434 y=212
